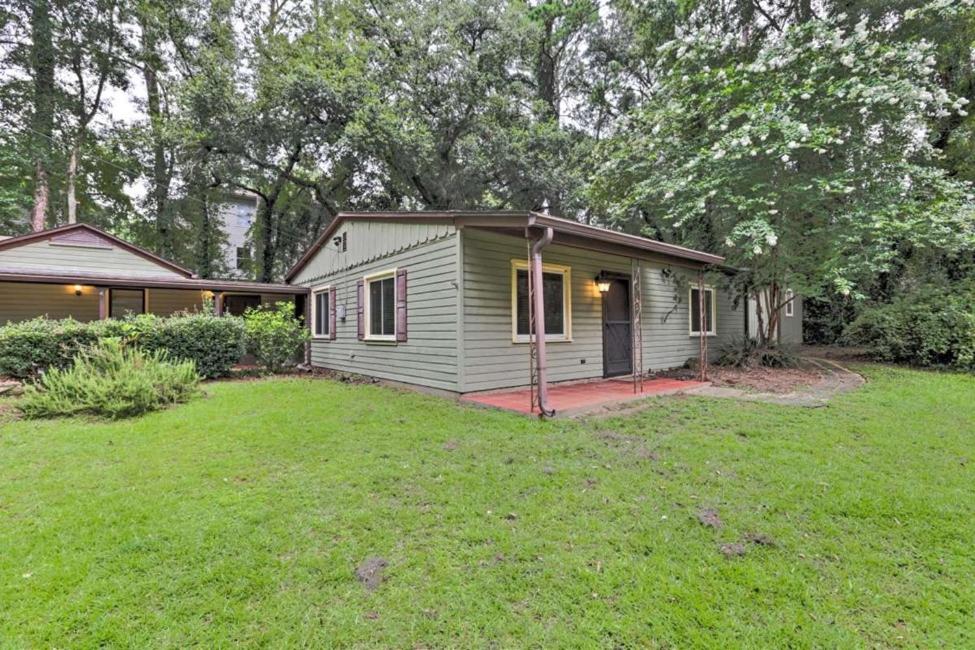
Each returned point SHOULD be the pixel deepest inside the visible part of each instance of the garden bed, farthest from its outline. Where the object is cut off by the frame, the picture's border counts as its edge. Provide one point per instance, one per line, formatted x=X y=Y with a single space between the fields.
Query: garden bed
x=758 y=379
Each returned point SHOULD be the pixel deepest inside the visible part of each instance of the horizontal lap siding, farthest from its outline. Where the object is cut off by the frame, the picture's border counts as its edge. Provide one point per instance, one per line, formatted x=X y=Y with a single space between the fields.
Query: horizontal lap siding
x=429 y=356
x=23 y=301
x=666 y=339
x=492 y=360
x=57 y=258
x=166 y=302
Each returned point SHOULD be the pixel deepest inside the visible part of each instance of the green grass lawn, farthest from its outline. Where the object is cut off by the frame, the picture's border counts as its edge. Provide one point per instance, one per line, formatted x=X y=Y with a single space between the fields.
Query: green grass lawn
x=241 y=519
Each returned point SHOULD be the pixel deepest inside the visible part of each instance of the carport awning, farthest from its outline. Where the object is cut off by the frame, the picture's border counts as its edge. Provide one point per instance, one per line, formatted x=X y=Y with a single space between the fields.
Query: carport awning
x=13 y=274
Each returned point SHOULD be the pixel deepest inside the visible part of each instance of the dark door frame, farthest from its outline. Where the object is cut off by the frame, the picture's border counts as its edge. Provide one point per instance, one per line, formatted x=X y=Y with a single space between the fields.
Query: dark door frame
x=145 y=299
x=628 y=281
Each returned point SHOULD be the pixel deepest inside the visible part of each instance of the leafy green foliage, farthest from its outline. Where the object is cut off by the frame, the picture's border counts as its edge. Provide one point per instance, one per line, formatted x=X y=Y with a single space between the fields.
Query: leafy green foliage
x=111 y=380
x=930 y=326
x=214 y=344
x=809 y=162
x=29 y=348
x=274 y=335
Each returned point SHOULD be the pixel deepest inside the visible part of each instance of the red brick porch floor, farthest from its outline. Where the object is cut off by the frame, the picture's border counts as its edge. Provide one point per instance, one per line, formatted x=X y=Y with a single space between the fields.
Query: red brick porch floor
x=569 y=399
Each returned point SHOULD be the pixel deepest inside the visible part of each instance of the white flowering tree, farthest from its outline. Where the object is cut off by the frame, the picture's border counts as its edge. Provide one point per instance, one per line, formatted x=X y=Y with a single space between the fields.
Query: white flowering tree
x=811 y=164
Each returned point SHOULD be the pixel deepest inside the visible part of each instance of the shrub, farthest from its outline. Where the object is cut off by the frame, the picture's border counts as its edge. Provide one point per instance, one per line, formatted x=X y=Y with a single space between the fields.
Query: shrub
x=29 y=348
x=932 y=326
x=274 y=336
x=746 y=353
x=111 y=380
x=213 y=343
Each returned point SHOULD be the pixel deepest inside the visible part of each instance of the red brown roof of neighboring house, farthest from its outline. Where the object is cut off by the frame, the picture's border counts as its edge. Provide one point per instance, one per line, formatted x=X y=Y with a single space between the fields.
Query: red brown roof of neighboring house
x=577 y=232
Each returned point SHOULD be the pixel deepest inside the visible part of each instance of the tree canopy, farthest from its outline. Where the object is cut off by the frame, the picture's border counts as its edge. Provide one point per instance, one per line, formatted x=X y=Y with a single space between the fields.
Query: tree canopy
x=826 y=146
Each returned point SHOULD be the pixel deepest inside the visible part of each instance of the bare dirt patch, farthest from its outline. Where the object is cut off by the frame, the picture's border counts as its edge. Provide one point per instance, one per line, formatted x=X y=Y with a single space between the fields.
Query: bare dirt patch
x=633 y=446
x=370 y=572
x=709 y=517
x=734 y=549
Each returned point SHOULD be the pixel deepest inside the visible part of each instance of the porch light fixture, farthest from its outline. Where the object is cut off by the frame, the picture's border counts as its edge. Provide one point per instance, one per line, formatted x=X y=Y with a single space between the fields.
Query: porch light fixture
x=77 y=289
x=602 y=283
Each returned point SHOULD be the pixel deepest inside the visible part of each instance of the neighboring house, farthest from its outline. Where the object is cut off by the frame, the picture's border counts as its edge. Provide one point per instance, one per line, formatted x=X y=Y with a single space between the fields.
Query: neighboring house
x=790 y=320
x=237 y=213
x=440 y=299
x=82 y=272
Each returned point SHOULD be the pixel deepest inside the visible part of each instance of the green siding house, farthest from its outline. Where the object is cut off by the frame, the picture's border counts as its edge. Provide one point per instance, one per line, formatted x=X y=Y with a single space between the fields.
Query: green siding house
x=81 y=272
x=441 y=299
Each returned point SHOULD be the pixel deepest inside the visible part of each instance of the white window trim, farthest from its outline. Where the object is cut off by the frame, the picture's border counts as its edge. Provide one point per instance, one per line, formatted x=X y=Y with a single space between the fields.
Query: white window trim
x=714 y=312
x=326 y=288
x=566 y=271
x=367 y=307
x=790 y=308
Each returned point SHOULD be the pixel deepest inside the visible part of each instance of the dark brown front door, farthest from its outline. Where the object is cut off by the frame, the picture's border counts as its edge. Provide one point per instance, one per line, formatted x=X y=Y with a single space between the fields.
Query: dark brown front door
x=617 y=336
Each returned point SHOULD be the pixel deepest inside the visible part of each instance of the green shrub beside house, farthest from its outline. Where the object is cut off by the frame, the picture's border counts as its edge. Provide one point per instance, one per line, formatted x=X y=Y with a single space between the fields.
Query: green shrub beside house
x=213 y=343
x=930 y=327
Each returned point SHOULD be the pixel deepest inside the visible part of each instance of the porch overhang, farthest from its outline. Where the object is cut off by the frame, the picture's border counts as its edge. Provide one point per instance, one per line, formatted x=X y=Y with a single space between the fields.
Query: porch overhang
x=8 y=274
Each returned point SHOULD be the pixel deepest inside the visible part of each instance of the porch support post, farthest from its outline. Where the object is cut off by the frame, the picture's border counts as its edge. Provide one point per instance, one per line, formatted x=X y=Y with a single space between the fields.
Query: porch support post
x=538 y=307
x=307 y=315
x=103 y=303
x=218 y=303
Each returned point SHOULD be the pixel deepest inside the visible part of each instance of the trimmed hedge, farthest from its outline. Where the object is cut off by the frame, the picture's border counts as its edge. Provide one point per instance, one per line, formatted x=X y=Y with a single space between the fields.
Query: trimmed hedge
x=933 y=326
x=213 y=343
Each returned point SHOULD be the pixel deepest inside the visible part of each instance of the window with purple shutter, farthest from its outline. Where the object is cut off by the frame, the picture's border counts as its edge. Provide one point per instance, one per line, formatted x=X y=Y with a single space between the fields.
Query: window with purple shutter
x=331 y=313
x=360 y=309
x=401 y=305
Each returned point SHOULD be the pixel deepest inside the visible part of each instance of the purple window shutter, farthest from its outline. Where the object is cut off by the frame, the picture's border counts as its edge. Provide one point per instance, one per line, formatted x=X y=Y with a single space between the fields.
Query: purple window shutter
x=401 y=305
x=359 y=308
x=331 y=314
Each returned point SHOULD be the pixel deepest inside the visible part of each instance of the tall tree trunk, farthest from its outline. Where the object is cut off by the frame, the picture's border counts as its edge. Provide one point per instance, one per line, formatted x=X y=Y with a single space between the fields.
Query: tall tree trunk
x=268 y=243
x=161 y=169
x=42 y=120
x=71 y=181
x=42 y=192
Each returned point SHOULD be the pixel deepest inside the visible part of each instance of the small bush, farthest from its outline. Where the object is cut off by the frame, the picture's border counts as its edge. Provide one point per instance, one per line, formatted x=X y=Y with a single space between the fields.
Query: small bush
x=933 y=326
x=746 y=353
x=29 y=348
x=111 y=380
x=274 y=336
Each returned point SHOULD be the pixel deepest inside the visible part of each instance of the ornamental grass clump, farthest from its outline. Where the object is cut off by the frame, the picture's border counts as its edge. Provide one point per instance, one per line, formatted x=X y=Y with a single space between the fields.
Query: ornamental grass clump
x=114 y=381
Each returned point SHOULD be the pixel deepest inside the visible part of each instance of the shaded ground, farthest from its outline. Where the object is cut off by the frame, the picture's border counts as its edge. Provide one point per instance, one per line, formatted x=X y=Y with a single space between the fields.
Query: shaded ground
x=759 y=379
x=256 y=516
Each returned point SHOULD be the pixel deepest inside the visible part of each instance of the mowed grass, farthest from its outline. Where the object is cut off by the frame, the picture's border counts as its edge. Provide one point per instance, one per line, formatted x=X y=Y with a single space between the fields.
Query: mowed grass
x=242 y=517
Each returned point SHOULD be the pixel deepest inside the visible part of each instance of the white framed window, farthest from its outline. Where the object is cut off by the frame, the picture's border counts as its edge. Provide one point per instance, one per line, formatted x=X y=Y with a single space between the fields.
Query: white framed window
x=790 y=306
x=694 y=312
x=320 y=312
x=380 y=306
x=557 y=292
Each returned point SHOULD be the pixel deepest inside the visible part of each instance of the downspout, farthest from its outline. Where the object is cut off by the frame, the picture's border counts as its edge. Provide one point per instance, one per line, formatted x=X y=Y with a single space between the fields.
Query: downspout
x=538 y=307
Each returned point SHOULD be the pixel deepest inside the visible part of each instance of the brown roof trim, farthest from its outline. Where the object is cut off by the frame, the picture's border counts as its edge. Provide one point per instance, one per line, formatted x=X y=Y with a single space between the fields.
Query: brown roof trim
x=201 y=284
x=604 y=234
x=20 y=240
x=508 y=219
